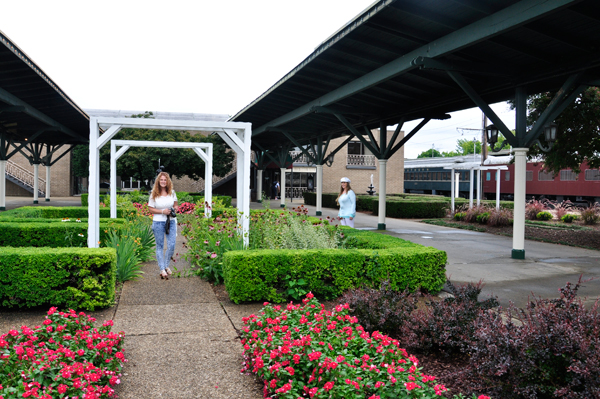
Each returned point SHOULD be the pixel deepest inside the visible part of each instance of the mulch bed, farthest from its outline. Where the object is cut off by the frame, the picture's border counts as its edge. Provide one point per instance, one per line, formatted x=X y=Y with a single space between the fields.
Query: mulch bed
x=565 y=236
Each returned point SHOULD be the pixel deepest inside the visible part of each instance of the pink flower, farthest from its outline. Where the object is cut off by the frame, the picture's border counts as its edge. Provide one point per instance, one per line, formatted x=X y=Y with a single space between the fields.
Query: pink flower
x=62 y=388
x=328 y=386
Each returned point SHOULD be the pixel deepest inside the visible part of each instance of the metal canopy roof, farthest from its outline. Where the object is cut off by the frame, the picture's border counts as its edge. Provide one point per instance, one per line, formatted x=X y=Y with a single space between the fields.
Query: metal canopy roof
x=32 y=106
x=392 y=61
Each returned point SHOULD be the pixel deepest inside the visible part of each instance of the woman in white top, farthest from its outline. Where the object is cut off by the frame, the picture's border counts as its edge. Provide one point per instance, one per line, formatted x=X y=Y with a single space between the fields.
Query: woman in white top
x=162 y=199
x=347 y=202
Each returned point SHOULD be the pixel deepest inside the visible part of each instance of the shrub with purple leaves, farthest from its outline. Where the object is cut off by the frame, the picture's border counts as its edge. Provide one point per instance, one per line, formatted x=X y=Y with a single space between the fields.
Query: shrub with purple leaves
x=446 y=326
x=500 y=217
x=591 y=214
x=382 y=309
x=532 y=208
x=472 y=213
x=553 y=351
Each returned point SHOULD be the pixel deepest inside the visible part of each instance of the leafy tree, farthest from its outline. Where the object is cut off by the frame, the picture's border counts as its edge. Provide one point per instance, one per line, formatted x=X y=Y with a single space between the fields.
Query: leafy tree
x=80 y=162
x=578 y=133
x=431 y=153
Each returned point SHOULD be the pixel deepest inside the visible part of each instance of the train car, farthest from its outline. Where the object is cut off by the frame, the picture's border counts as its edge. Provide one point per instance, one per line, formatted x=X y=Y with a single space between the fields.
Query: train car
x=583 y=187
x=433 y=175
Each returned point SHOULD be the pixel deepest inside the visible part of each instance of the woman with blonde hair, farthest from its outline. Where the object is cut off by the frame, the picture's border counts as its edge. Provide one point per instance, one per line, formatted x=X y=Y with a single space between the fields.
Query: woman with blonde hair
x=163 y=204
x=347 y=202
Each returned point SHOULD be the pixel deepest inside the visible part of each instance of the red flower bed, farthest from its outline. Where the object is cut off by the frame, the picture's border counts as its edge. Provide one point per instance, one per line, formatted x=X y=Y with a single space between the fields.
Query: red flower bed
x=305 y=351
x=65 y=357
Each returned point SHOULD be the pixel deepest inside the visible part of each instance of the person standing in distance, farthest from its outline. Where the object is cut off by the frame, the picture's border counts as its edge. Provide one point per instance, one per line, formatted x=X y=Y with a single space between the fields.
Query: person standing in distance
x=347 y=202
x=162 y=199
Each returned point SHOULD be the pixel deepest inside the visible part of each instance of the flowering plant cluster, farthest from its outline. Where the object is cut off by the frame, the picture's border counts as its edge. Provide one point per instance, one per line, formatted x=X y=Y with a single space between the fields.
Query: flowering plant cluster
x=65 y=357
x=186 y=208
x=305 y=351
x=142 y=209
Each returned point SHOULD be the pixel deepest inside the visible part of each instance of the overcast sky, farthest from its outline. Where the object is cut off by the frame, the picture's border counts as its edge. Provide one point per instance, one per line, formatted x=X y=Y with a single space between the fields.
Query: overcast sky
x=190 y=56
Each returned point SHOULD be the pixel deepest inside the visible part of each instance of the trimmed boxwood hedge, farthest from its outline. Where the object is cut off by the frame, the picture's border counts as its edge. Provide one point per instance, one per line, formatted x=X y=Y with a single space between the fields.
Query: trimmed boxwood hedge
x=261 y=274
x=56 y=212
x=53 y=234
x=402 y=206
x=82 y=220
x=77 y=278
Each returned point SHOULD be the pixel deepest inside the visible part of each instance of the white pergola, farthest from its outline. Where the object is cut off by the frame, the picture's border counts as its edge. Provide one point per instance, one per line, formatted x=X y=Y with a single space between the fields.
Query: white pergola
x=472 y=168
x=238 y=135
x=207 y=157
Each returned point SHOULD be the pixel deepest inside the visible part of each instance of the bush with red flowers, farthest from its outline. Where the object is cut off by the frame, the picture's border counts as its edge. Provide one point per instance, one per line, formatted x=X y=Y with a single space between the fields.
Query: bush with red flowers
x=306 y=351
x=186 y=207
x=65 y=357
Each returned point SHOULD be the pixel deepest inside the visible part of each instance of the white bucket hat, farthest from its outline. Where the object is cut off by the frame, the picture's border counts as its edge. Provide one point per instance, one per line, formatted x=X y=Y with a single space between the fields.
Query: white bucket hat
x=344 y=180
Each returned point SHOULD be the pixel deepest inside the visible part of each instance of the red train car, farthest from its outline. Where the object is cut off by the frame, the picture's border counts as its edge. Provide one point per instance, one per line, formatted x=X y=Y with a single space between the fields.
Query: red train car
x=567 y=185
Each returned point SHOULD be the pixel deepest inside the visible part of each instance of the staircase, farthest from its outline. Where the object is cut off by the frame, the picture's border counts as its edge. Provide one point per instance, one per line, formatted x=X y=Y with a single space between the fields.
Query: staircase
x=24 y=178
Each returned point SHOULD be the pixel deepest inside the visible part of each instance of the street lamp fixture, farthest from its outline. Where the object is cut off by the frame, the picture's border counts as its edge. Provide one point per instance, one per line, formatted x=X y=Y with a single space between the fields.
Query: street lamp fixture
x=492 y=137
x=549 y=136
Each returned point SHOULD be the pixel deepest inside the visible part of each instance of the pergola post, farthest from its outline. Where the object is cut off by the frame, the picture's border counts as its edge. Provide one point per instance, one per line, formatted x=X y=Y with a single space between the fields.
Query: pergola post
x=471 y=177
x=382 y=194
x=94 y=187
x=497 y=189
x=478 y=186
x=3 y=185
x=319 y=190
x=47 y=182
x=452 y=189
x=518 y=251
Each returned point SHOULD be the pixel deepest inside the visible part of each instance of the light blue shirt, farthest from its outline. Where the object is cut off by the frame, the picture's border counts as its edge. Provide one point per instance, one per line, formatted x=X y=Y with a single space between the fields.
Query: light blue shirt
x=347 y=205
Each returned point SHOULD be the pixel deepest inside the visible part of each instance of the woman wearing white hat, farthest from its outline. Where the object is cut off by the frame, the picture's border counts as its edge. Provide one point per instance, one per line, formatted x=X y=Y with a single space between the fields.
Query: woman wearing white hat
x=347 y=202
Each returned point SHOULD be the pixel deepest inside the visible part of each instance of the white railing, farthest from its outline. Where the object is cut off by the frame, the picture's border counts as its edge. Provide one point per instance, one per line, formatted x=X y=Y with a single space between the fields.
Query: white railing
x=24 y=176
x=295 y=192
x=301 y=159
x=360 y=160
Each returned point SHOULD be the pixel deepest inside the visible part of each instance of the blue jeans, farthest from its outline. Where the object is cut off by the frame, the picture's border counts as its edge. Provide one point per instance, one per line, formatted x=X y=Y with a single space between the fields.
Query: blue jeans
x=159 y=236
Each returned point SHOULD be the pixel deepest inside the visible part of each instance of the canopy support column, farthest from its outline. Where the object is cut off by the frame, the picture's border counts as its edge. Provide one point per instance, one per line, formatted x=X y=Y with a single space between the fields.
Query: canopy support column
x=319 y=190
x=382 y=194
x=3 y=185
x=36 y=184
x=47 y=183
x=259 y=190
x=518 y=251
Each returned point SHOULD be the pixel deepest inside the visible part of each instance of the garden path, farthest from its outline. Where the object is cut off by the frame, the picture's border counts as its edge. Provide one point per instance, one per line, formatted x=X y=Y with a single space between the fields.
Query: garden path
x=179 y=341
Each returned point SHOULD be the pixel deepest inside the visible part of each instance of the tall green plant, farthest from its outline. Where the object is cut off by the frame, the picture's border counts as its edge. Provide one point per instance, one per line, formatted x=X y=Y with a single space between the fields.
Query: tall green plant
x=128 y=263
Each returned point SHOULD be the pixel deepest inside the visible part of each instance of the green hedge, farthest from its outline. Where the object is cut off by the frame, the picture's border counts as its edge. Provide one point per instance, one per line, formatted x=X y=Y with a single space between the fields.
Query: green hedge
x=82 y=220
x=76 y=278
x=56 y=212
x=261 y=274
x=42 y=234
x=413 y=209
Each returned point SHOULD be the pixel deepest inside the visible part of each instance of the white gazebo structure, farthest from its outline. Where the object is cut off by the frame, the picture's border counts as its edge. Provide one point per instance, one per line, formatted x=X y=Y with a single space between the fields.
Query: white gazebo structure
x=238 y=135
x=473 y=167
x=207 y=157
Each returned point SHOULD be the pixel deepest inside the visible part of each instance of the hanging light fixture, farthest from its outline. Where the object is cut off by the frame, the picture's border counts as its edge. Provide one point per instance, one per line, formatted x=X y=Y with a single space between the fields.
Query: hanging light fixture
x=550 y=132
